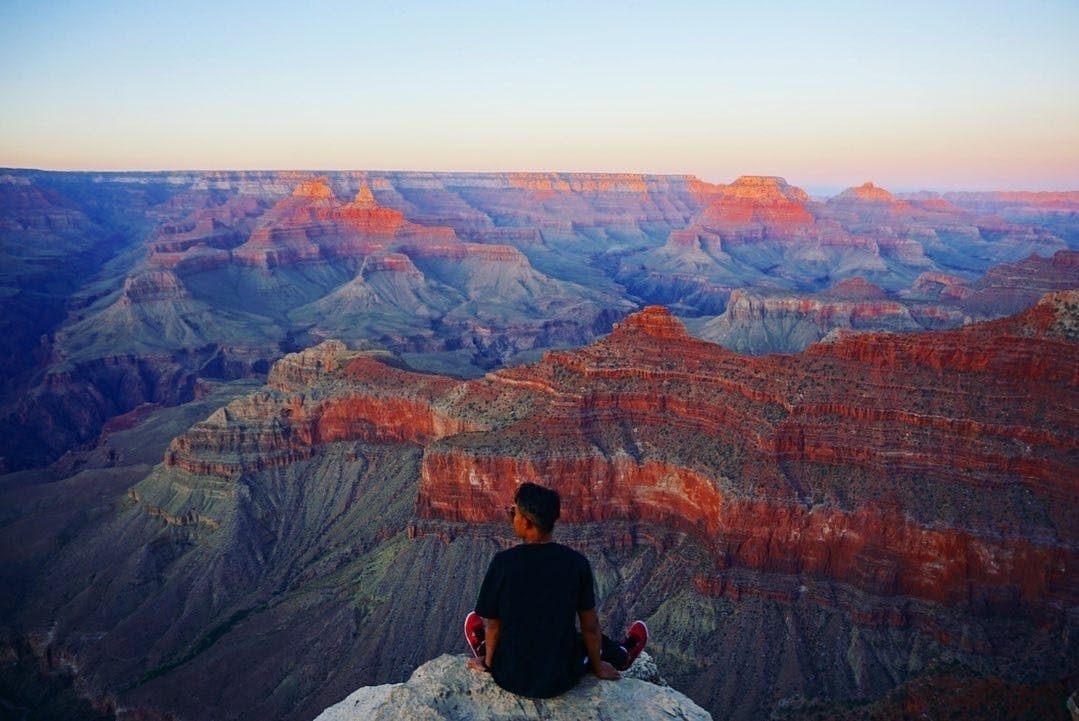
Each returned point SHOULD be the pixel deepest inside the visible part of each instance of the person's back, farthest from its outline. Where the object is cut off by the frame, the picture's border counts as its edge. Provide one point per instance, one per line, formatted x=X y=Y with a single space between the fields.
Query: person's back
x=536 y=591
x=524 y=627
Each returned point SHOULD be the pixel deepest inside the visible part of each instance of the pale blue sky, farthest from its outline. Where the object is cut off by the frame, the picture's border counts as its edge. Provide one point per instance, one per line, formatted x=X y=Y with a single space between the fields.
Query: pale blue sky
x=828 y=94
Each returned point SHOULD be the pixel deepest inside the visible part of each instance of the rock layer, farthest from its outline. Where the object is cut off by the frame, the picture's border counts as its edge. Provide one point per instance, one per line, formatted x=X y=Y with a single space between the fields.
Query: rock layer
x=866 y=461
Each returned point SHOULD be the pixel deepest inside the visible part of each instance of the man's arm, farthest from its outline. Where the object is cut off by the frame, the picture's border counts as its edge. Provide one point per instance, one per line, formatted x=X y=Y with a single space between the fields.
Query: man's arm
x=593 y=637
x=492 y=627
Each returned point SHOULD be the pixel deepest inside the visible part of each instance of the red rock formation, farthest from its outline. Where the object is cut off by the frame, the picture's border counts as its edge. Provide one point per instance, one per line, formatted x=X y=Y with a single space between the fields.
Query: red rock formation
x=941 y=285
x=753 y=456
x=865 y=193
x=203 y=239
x=872 y=461
x=313 y=225
x=654 y=321
x=460 y=251
x=762 y=204
x=286 y=423
x=823 y=308
x=207 y=230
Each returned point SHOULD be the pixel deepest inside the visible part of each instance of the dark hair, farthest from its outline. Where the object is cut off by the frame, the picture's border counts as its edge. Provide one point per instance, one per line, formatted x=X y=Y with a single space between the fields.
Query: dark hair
x=541 y=505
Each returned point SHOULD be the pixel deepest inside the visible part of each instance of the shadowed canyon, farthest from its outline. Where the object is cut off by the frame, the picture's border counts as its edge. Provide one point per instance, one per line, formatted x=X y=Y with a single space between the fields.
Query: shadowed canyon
x=258 y=429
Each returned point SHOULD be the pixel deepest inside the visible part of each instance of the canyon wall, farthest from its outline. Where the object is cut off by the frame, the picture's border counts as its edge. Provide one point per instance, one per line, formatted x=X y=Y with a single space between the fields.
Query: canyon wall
x=861 y=511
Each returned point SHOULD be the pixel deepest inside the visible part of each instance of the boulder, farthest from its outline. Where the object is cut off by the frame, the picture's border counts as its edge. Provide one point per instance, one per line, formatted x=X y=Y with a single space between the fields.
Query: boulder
x=445 y=689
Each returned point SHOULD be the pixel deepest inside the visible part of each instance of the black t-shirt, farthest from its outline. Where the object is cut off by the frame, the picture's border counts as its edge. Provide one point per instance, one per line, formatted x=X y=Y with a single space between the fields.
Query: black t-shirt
x=535 y=590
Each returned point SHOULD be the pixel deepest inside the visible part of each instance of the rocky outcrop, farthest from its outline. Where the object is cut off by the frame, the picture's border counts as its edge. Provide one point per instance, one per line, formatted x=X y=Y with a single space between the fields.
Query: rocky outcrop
x=298 y=412
x=755 y=207
x=444 y=689
x=762 y=322
x=312 y=225
x=865 y=193
x=775 y=471
x=756 y=225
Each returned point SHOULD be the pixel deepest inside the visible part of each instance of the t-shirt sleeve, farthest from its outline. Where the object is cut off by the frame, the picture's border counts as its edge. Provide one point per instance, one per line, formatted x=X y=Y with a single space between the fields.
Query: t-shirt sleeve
x=586 y=589
x=487 y=603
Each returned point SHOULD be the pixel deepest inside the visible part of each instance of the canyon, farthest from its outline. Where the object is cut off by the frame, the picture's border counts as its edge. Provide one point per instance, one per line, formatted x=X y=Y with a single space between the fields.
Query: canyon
x=247 y=412
x=128 y=288
x=750 y=490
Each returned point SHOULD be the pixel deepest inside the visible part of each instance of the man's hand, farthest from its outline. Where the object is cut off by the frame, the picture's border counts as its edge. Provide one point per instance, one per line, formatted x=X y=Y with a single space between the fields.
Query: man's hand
x=593 y=638
x=607 y=672
x=478 y=664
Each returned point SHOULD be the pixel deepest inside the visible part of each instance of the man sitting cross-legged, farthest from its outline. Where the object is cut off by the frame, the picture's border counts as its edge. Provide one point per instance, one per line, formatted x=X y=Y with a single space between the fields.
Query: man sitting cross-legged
x=524 y=627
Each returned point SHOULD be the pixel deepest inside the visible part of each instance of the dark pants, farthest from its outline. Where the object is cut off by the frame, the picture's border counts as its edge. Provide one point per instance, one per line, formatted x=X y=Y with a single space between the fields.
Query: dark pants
x=609 y=651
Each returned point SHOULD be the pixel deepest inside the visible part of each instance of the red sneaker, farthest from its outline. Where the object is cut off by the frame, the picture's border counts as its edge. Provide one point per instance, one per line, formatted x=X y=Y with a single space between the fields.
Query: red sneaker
x=636 y=638
x=474 y=633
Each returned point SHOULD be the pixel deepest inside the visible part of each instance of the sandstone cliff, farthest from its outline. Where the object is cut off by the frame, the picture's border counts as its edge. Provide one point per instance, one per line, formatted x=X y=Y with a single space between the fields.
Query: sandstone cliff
x=826 y=464
x=445 y=690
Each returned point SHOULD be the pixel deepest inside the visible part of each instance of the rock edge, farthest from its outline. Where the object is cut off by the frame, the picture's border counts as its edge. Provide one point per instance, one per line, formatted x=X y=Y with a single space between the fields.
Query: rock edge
x=444 y=689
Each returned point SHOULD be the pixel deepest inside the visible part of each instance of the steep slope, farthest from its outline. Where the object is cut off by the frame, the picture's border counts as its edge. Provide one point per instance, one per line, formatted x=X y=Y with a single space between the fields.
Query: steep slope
x=761 y=321
x=1011 y=287
x=52 y=241
x=148 y=343
x=383 y=304
x=775 y=322
x=822 y=526
x=1052 y=210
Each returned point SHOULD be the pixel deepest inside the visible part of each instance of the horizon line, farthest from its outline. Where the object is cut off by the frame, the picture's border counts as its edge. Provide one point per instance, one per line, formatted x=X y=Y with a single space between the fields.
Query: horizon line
x=816 y=187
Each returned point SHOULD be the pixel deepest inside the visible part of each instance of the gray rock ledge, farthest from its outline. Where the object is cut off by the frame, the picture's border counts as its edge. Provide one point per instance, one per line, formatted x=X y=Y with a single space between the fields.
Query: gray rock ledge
x=446 y=690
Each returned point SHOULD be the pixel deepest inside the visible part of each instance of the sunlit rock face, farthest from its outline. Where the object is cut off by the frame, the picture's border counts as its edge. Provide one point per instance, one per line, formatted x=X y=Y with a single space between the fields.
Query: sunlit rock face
x=753 y=207
x=869 y=460
x=831 y=463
